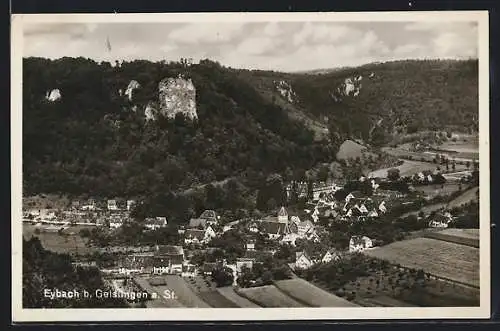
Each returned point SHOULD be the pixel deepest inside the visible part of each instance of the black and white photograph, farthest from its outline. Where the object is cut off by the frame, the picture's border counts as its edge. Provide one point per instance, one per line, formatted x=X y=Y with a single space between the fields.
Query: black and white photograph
x=319 y=165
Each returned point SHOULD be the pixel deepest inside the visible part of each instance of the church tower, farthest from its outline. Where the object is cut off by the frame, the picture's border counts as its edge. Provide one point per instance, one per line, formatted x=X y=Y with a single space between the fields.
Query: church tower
x=283 y=218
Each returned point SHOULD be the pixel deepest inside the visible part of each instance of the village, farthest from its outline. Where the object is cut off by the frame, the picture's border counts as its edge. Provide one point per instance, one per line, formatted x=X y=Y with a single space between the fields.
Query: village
x=216 y=252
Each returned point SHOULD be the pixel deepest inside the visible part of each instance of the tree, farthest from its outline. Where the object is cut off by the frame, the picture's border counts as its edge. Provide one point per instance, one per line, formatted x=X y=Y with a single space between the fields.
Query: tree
x=222 y=276
x=393 y=174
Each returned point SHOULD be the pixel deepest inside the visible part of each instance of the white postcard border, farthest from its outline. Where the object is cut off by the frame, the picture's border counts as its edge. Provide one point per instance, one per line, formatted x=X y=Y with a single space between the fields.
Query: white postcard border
x=241 y=314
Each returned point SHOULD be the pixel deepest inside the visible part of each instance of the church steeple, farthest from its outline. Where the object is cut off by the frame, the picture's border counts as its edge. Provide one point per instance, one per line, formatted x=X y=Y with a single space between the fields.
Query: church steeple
x=282 y=215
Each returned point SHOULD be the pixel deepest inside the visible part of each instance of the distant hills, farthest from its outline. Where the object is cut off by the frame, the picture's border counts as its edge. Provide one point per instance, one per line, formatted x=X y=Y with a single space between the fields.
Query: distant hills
x=93 y=140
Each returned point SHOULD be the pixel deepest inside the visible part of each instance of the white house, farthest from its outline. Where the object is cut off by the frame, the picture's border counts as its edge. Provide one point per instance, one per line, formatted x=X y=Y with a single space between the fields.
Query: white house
x=209 y=234
x=330 y=255
x=382 y=208
x=349 y=197
x=290 y=239
x=302 y=260
x=130 y=204
x=244 y=262
x=373 y=214
x=359 y=243
x=112 y=205
x=254 y=228
x=155 y=223
x=363 y=209
x=250 y=245
x=304 y=227
x=115 y=223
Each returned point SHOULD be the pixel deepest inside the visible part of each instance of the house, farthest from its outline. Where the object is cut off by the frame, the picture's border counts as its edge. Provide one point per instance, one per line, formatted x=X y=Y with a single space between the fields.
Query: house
x=198 y=223
x=282 y=215
x=289 y=239
x=382 y=208
x=130 y=204
x=209 y=216
x=250 y=245
x=304 y=227
x=363 y=209
x=302 y=260
x=359 y=243
x=197 y=236
x=440 y=221
x=349 y=197
x=295 y=220
x=112 y=205
x=373 y=214
x=242 y=262
x=312 y=235
x=253 y=227
x=330 y=255
x=194 y=236
x=155 y=223
x=209 y=234
x=115 y=222
x=168 y=259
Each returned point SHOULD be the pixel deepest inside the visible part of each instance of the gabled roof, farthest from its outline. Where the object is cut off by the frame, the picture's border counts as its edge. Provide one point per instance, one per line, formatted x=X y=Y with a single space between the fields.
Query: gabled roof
x=196 y=222
x=208 y=214
x=298 y=255
x=168 y=259
x=257 y=255
x=169 y=250
x=359 y=240
x=282 y=212
x=160 y=221
x=271 y=227
x=195 y=233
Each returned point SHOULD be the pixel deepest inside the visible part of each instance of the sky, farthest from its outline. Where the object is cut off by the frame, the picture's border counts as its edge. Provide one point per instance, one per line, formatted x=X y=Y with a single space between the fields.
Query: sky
x=280 y=46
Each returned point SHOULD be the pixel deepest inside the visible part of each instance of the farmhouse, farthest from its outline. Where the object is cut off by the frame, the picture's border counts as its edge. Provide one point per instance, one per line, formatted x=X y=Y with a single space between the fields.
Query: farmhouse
x=194 y=236
x=112 y=205
x=210 y=217
x=197 y=236
x=168 y=259
x=200 y=223
x=130 y=204
x=302 y=260
x=440 y=221
x=115 y=222
x=155 y=223
x=330 y=255
x=359 y=243
x=244 y=262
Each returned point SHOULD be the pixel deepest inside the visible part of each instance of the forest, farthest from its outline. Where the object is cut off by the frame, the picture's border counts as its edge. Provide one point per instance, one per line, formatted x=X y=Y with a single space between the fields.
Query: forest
x=94 y=142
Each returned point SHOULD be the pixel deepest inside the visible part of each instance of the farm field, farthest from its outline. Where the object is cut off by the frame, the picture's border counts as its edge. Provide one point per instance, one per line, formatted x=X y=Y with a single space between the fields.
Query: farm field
x=185 y=294
x=70 y=242
x=350 y=150
x=426 y=210
x=383 y=301
x=460 y=147
x=465 y=197
x=435 y=190
x=217 y=300
x=160 y=302
x=207 y=291
x=443 y=259
x=268 y=296
x=408 y=168
x=229 y=293
x=46 y=201
x=468 y=237
x=428 y=157
x=305 y=292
